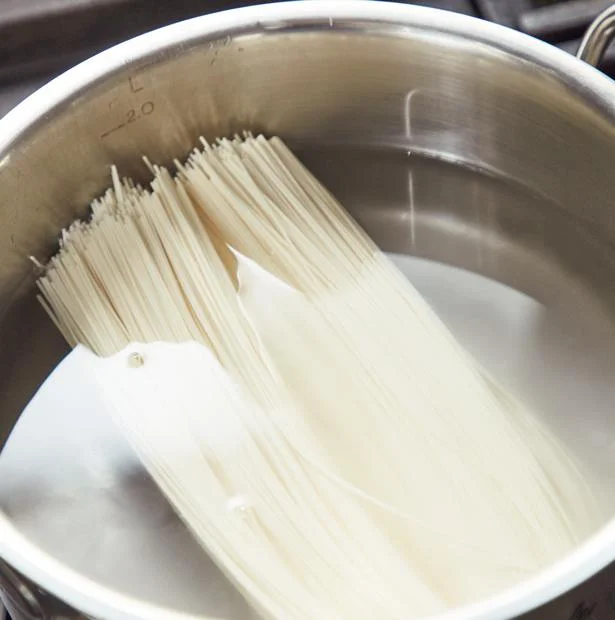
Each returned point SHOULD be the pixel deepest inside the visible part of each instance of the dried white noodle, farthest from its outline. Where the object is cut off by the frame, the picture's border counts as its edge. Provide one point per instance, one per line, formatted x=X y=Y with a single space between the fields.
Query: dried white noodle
x=388 y=476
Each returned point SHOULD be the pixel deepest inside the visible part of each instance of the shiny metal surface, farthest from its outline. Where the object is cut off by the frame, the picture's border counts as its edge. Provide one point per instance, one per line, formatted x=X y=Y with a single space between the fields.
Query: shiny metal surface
x=17 y=596
x=457 y=142
x=598 y=37
x=25 y=600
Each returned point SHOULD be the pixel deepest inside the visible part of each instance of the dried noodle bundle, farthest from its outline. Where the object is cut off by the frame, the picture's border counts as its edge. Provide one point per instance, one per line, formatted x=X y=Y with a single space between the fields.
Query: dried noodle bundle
x=386 y=475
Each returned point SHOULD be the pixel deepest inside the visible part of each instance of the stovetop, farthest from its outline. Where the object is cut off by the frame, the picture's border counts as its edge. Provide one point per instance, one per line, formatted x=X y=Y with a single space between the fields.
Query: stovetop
x=41 y=38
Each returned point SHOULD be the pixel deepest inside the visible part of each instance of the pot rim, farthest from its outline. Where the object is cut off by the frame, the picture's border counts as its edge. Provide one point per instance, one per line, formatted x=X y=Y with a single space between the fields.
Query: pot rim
x=595 y=88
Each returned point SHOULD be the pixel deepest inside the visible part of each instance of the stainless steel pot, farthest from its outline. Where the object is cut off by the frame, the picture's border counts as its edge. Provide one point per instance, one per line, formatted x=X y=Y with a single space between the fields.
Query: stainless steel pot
x=455 y=141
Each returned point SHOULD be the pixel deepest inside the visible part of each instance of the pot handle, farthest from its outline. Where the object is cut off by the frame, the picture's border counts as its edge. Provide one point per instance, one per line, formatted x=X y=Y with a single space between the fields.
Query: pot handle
x=19 y=600
x=597 y=37
x=25 y=601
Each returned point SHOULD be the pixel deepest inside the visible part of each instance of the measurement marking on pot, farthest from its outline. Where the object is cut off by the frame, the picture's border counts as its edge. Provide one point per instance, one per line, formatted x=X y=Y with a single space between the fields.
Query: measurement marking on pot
x=133 y=85
x=215 y=46
x=132 y=115
x=228 y=39
x=583 y=611
x=408 y=112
